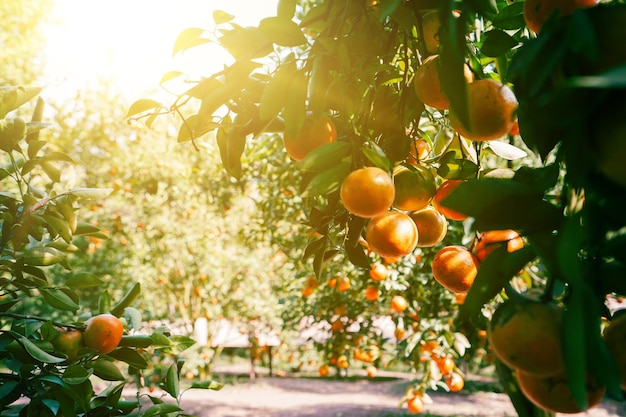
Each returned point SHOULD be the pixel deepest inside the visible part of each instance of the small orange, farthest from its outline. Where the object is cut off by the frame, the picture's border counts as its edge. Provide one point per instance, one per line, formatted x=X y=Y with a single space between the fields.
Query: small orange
x=367 y=192
x=337 y=325
x=399 y=333
x=371 y=293
x=371 y=371
x=343 y=284
x=445 y=364
x=414 y=186
x=307 y=291
x=420 y=150
x=455 y=267
x=442 y=192
x=491 y=106
x=342 y=362
x=391 y=235
x=428 y=86
x=430 y=31
x=415 y=404
x=103 y=333
x=317 y=130
x=399 y=303
x=324 y=370
x=69 y=343
x=378 y=272
x=432 y=226
x=455 y=382
x=491 y=239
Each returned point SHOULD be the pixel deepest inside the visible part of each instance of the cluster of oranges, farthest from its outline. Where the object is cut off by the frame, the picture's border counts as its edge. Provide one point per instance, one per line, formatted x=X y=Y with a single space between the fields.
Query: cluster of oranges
x=102 y=333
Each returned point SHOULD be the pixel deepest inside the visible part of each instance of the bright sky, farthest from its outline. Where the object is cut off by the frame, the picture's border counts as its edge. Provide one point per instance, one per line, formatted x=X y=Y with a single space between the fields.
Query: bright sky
x=130 y=42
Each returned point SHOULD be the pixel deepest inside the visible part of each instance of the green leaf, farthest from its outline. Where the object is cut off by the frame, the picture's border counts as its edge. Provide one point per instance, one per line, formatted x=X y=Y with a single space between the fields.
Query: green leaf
x=377 y=156
x=171 y=385
x=483 y=6
x=88 y=229
x=452 y=64
x=75 y=374
x=37 y=353
x=129 y=356
x=90 y=193
x=246 y=43
x=189 y=38
x=231 y=147
x=161 y=409
x=275 y=93
x=281 y=31
x=210 y=104
x=208 y=384
x=43 y=256
x=130 y=296
x=141 y=106
x=58 y=299
x=295 y=104
x=13 y=97
x=388 y=7
x=133 y=317
x=286 y=9
x=170 y=75
x=136 y=341
x=325 y=157
x=511 y=17
x=497 y=42
x=328 y=181
x=83 y=280
x=58 y=227
x=106 y=370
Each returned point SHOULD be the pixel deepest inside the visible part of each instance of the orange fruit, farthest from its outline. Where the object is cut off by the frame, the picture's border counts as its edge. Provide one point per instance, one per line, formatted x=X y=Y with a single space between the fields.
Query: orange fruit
x=371 y=371
x=460 y=298
x=399 y=303
x=307 y=291
x=324 y=370
x=420 y=150
x=442 y=192
x=343 y=283
x=615 y=339
x=491 y=106
x=491 y=239
x=342 y=362
x=371 y=293
x=427 y=84
x=455 y=267
x=415 y=187
x=415 y=404
x=317 y=130
x=337 y=325
x=432 y=226
x=399 y=333
x=332 y=283
x=69 y=343
x=103 y=333
x=391 y=235
x=378 y=272
x=430 y=31
x=455 y=382
x=536 y=12
x=445 y=364
x=527 y=337
x=367 y=192
x=310 y=282
x=552 y=393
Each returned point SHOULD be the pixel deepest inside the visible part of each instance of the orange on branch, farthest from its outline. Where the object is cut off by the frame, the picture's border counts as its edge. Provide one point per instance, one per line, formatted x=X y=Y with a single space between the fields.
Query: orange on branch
x=414 y=188
x=399 y=303
x=103 y=333
x=371 y=293
x=367 y=192
x=536 y=12
x=324 y=370
x=527 y=337
x=69 y=343
x=415 y=404
x=455 y=382
x=378 y=272
x=432 y=226
x=420 y=150
x=371 y=371
x=342 y=362
x=391 y=235
x=316 y=131
x=442 y=192
x=430 y=31
x=491 y=107
x=552 y=393
x=445 y=364
x=491 y=239
x=428 y=86
x=343 y=284
x=455 y=268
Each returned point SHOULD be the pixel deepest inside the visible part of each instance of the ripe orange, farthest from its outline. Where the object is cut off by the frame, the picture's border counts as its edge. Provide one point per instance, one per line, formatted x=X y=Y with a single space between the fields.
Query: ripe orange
x=552 y=393
x=103 y=333
x=432 y=226
x=427 y=84
x=371 y=371
x=527 y=337
x=430 y=30
x=491 y=239
x=536 y=12
x=415 y=404
x=378 y=272
x=445 y=364
x=391 y=235
x=455 y=267
x=324 y=370
x=415 y=187
x=337 y=325
x=442 y=192
x=342 y=362
x=455 y=382
x=310 y=282
x=317 y=130
x=491 y=106
x=399 y=303
x=343 y=284
x=332 y=283
x=69 y=343
x=371 y=293
x=615 y=339
x=367 y=192
x=420 y=150
x=399 y=333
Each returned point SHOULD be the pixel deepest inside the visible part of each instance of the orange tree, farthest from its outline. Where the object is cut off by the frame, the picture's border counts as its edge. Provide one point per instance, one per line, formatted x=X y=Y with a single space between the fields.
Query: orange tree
x=531 y=142
x=61 y=351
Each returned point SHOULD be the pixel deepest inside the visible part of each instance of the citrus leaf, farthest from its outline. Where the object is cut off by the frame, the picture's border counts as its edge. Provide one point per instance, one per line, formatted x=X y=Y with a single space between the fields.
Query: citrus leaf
x=170 y=75
x=285 y=9
x=37 y=353
x=246 y=43
x=208 y=384
x=141 y=106
x=281 y=31
x=325 y=156
x=13 y=97
x=294 y=113
x=161 y=409
x=58 y=299
x=75 y=374
x=82 y=280
x=171 y=385
x=506 y=150
x=129 y=356
x=497 y=42
x=90 y=193
x=43 y=256
x=328 y=181
x=137 y=341
x=189 y=38
x=220 y=16
x=130 y=296
x=106 y=370
x=274 y=94
x=511 y=17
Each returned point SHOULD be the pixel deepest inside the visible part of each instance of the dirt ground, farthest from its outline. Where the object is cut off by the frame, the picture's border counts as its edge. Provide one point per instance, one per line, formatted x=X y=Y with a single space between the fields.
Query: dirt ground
x=313 y=397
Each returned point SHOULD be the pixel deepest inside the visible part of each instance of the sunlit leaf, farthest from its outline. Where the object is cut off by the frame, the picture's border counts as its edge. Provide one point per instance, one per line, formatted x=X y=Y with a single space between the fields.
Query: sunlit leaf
x=90 y=193
x=209 y=384
x=325 y=156
x=189 y=38
x=246 y=43
x=285 y=9
x=506 y=150
x=171 y=385
x=12 y=97
x=168 y=76
x=220 y=16
x=328 y=181
x=274 y=94
x=511 y=17
x=141 y=106
x=281 y=31
x=82 y=280
x=161 y=409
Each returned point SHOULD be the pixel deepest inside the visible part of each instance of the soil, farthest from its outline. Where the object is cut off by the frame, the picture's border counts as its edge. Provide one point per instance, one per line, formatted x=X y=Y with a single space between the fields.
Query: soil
x=298 y=396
